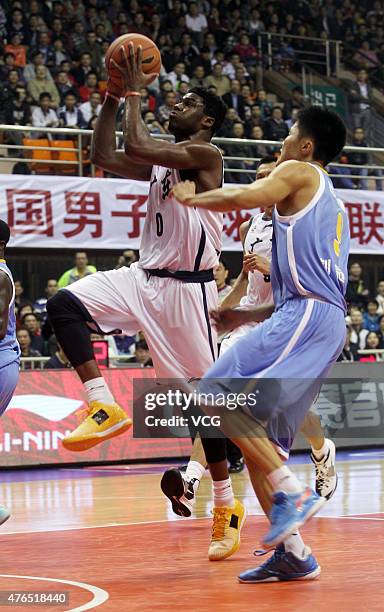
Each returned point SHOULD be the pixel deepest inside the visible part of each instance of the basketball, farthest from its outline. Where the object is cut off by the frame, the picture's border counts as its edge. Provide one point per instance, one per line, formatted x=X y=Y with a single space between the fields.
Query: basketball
x=151 y=58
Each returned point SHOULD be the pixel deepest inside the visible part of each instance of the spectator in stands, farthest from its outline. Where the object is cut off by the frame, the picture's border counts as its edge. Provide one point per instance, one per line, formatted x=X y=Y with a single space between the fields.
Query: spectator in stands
x=127 y=258
x=165 y=109
x=196 y=23
x=9 y=64
x=40 y=305
x=152 y=124
x=17 y=112
x=90 y=86
x=42 y=84
x=371 y=317
x=43 y=115
x=265 y=104
x=380 y=297
x=357 y=293
x=19 y=291
x=372 y=342
x=295 y=101
x=17 y=49
x=198 y=78
x=221 y=273
x=32 y=323
x=58 y=361
x=84 y=68
x=359 y=158
x=63 y=84
x=70 y=115
x=24 y=339
x=24 y=308
x=342 y=181
x=234 y=99
x=142 y=355
x=59 y=53
x=45 y=48
x=220 y=81
x=254 y=120
x=29 y=71
x=349 y=352
x=381 y=331
x=358 y=333
x=91 y=108
x=178 y=75
x=361 y=100
x=275 y=127
x=226 y=129
x=80 y=270
x=8 y=88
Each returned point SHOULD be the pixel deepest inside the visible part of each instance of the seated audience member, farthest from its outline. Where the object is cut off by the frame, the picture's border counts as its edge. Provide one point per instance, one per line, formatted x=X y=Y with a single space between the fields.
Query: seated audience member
x=43 y=115
x=372 y=342
x=40 y=305
x=32 y=323
x=221 y=275
x=24 y=339
x=380 y=333
x=380 y=298
x=70 y=116
x=371 y=317
x=142 y=355
x=91 y=108
x=58 y=361
x=358 y=333
x=349 y=352
x=357 y=293
x=80 y=269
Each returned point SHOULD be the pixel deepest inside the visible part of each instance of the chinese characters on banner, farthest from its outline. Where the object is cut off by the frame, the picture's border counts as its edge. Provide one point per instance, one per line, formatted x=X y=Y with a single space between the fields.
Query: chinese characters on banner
x=74 y=212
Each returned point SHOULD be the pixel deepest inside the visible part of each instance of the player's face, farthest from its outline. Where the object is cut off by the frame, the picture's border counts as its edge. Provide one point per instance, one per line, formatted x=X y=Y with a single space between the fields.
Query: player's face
x=295 y=146
x=187 y=114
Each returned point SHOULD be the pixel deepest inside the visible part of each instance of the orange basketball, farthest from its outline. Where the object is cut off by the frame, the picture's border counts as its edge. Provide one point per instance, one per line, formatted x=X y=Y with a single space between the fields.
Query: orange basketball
x=151 y=58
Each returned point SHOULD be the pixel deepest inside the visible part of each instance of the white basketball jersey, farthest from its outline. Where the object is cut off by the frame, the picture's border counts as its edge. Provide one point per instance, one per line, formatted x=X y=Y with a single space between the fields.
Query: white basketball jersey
x=259 y=240
x=177 y=237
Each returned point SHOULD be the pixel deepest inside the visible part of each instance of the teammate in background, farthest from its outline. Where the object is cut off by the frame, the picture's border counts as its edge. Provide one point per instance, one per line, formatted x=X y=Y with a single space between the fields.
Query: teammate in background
x=253 y=288
x=170 y=291
x=309 y=274
x=9 y=347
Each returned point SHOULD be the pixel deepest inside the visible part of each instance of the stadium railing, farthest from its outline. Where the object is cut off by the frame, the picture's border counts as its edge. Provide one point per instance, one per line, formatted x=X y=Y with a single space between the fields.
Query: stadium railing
x=80 y=157
x=316 y=52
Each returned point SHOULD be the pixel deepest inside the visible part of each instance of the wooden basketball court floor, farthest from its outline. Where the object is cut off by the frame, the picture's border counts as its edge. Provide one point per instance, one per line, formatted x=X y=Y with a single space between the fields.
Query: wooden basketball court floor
x=108 y=538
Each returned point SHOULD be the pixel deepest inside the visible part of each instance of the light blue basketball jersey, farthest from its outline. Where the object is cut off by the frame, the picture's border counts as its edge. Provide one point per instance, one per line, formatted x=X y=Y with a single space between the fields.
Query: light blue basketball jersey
x=310 y=249
x=9 y=347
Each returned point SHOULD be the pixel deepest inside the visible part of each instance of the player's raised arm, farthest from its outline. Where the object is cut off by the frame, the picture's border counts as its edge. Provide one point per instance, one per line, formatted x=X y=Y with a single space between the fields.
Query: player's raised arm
x=190 y=121
x=286 y=180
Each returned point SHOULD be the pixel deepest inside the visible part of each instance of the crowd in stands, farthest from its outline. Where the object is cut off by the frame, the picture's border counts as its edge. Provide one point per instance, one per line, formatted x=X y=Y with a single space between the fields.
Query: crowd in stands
x=53 y=73
x=365 y=319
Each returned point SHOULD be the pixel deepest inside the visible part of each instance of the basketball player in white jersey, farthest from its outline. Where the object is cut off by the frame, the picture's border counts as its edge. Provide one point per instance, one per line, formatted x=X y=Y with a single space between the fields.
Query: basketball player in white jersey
x=253 y=288
x=169 y=292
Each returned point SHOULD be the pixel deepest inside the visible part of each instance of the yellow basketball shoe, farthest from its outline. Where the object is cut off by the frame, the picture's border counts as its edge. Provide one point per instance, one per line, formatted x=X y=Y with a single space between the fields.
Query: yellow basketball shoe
x=104 y=421
x=227 y=524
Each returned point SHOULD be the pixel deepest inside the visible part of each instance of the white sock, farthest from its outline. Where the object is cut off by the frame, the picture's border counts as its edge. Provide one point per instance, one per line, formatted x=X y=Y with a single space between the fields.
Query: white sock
x=98 y=390
x=321 y=452
x=222 y=493
x=194 y=470
x=295 y=545
x=283 y=479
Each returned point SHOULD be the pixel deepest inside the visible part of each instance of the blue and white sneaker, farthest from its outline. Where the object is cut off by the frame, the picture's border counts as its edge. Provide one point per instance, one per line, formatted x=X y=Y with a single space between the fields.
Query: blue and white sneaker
x=289 y=512
x=283 y=566
x=4 y=514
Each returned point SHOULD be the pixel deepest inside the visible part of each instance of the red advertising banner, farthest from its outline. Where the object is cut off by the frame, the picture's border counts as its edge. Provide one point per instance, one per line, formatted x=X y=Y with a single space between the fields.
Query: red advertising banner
x=87 y=213
x=43 y=410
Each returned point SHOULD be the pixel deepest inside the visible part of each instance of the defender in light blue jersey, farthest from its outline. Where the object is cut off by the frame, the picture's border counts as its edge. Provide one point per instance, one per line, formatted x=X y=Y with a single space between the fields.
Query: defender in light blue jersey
x=9 y=347
x=303 y=337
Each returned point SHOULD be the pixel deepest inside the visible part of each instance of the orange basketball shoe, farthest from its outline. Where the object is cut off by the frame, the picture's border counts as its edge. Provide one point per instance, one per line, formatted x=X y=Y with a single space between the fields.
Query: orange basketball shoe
x=104 y=421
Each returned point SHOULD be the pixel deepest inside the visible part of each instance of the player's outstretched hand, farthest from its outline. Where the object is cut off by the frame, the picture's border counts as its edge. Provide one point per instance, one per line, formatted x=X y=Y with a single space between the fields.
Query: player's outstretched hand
x=184 y=192
x=227 y=319
x=131 y=69
x=252 y=262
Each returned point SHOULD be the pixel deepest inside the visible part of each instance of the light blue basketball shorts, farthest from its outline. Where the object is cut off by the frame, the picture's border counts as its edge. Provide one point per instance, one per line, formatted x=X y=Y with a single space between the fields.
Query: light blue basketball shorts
x=296 y=347
x=9 y=375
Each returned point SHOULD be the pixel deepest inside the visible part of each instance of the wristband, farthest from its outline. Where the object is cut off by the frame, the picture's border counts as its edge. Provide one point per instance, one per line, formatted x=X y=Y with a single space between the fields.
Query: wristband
x=132 y=93
x=109 y=95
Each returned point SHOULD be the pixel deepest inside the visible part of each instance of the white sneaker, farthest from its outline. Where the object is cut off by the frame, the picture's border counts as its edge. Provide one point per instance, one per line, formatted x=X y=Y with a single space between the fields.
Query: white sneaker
x=180 y=491
x=326 y=476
